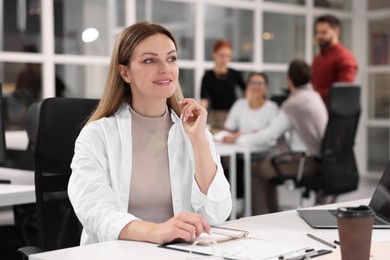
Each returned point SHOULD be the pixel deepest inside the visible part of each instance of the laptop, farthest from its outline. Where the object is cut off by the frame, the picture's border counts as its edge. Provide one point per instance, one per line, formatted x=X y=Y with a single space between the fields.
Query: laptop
x=380 y=204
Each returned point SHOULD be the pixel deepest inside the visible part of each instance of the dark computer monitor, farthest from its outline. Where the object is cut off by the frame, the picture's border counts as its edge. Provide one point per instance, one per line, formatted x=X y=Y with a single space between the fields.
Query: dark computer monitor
x=3 y=148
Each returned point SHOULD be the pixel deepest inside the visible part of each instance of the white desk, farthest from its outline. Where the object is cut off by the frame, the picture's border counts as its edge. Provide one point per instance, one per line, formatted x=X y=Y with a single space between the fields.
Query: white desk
x=11 y=194
x=247 y=151
x=16 y=140
x=20 y=191
x=16 y=176
x=283 y=226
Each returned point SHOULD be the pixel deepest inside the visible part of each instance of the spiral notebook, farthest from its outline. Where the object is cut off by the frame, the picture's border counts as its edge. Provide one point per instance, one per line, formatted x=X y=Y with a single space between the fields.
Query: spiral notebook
x=217 y=234
x=220 y=234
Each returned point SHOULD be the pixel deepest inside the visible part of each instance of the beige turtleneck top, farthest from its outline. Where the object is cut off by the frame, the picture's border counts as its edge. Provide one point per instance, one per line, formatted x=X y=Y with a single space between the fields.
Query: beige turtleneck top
x=150 y=189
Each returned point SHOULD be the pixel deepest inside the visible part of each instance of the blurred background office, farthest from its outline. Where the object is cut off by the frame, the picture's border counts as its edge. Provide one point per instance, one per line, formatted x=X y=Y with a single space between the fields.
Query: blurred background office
x=74 y=38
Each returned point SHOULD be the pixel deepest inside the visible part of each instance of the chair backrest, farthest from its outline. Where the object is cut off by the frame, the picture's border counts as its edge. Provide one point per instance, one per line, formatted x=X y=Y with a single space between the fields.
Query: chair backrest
x=337 y=156
x=59 y=123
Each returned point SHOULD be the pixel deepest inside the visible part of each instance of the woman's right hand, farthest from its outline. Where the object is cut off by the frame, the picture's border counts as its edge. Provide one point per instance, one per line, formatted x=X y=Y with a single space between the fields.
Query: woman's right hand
x=184 y=226
x=231 y=139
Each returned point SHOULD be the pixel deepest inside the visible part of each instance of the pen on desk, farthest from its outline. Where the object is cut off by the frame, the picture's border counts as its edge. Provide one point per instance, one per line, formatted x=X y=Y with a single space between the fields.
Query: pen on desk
x=321 y=241
x=297 y=254
x=336 y=242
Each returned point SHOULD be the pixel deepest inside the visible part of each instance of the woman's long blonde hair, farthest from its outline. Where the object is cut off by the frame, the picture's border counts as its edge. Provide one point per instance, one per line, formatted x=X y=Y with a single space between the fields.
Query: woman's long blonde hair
x=117 y=91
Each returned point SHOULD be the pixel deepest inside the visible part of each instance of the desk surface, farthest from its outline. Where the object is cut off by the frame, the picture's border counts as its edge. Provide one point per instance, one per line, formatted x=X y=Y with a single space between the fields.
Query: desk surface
x=11 y=194
x=20 y=191
x=16 y=140
x=17 y=176
x=282 y=226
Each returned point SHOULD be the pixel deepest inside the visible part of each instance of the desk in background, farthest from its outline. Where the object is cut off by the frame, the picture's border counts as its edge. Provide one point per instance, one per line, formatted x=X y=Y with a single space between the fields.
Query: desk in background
x=21 y=190
x=231 y=150
x=282 y=226
x=11 y=194
x=16 y=140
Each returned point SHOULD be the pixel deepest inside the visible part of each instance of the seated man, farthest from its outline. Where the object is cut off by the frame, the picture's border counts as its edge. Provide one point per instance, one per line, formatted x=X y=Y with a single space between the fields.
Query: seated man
x=304 y=116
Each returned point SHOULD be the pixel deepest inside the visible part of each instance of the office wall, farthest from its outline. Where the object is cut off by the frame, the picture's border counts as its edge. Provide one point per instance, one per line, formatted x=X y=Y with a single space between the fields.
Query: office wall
x=266 y=35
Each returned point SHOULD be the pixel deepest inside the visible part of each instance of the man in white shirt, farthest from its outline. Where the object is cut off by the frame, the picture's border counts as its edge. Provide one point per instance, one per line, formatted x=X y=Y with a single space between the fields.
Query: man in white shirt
x=304 y=116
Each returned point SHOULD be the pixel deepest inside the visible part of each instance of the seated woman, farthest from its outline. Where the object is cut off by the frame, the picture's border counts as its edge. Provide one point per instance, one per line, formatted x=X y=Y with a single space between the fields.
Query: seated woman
x=251 y=113
x=248 y=115
x=145 y=167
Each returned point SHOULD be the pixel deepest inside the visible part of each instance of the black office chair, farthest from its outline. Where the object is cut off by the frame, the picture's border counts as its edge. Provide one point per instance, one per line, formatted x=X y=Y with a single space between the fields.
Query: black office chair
x=338 y=171
x=59 y=123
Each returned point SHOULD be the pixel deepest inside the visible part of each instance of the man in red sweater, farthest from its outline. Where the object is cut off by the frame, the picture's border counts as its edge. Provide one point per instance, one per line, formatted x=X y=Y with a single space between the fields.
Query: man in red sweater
x=334 y=63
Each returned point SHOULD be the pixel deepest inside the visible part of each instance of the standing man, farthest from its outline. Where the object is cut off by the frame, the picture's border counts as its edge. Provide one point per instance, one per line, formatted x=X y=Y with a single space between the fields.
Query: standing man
x=334 y=63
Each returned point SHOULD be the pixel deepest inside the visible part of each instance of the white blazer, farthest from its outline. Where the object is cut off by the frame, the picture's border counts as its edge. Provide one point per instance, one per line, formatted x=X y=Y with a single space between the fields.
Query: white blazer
x=99 y=186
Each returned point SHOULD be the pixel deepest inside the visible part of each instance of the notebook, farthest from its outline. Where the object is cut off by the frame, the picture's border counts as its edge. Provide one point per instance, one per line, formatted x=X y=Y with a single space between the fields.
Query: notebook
x=219 y=235
x=380 y=204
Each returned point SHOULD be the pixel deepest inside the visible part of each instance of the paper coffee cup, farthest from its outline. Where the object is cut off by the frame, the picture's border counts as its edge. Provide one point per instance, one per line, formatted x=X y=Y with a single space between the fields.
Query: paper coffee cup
x=355 y=231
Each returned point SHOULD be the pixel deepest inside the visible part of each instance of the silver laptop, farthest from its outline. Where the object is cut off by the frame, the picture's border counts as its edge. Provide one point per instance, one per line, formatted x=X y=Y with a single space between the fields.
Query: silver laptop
x=380 y=203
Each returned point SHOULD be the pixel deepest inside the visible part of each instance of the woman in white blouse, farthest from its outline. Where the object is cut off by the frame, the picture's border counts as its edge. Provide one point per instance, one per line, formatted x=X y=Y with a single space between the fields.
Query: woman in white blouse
x=252 y=113
x=145 y=167
x=247 y=116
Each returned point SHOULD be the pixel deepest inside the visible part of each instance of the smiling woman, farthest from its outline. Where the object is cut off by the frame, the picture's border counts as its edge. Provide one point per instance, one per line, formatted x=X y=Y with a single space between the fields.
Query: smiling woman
x=153 y=74
x=145 y=166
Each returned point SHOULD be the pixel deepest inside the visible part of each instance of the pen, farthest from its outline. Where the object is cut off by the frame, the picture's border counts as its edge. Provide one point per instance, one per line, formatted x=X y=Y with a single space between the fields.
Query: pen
x=336 y=242
x=297 y=254
x=321 y=241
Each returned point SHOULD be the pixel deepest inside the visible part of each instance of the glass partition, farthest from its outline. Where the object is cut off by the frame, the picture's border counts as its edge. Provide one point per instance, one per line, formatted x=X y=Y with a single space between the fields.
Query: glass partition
x=22 y=86
x=378 y=41
x=378 y=4
x=187 y=82
x=179 y=18
x=85 y=27
x=379 y=96
x=295 y=2
x=21 y=26
x=84 y=81
x=232 y=24
x=378 y=148
x=283 y=37
x=342 y=5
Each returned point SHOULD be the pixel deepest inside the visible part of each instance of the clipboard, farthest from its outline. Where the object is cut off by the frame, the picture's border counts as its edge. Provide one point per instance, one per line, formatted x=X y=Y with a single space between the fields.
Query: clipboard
x=254 y=248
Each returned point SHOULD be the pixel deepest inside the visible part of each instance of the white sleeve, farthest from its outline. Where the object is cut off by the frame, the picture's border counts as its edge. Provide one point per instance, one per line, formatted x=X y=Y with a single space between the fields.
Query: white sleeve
x=231 y=122
x=90 y=189
x=216 y=206
x=270 y=134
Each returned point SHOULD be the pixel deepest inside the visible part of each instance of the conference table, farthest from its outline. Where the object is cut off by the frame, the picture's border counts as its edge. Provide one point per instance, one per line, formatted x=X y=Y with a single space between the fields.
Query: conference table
x=21 y=189
x=276 y=228
x=16 y=140
x=231 y=150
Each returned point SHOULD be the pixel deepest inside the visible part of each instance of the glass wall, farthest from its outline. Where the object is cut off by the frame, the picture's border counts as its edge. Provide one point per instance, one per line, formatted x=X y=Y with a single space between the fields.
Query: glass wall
x=296 y=2
x=73 y=58
x=234 y=25
x=80 y=80
x=378 y=4
x=283 y=37
x=177 y=17
x=378 y=43
x=21 y=26
x=345 y=5
x=84 y=27
x=378 y=148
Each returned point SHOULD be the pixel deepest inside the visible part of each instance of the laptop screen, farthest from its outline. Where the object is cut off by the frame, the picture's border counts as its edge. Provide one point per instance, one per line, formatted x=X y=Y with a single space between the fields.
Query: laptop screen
x=380 y=201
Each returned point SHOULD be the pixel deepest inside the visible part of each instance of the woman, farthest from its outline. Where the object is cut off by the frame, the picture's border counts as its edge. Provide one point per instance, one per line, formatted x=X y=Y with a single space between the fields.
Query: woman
x=247 y=116
x=219 y=85
x=141 y=172
x=253 y=112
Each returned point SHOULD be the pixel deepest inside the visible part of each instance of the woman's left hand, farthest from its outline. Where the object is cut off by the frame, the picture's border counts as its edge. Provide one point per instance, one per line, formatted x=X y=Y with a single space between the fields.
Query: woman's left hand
x=194 y=117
